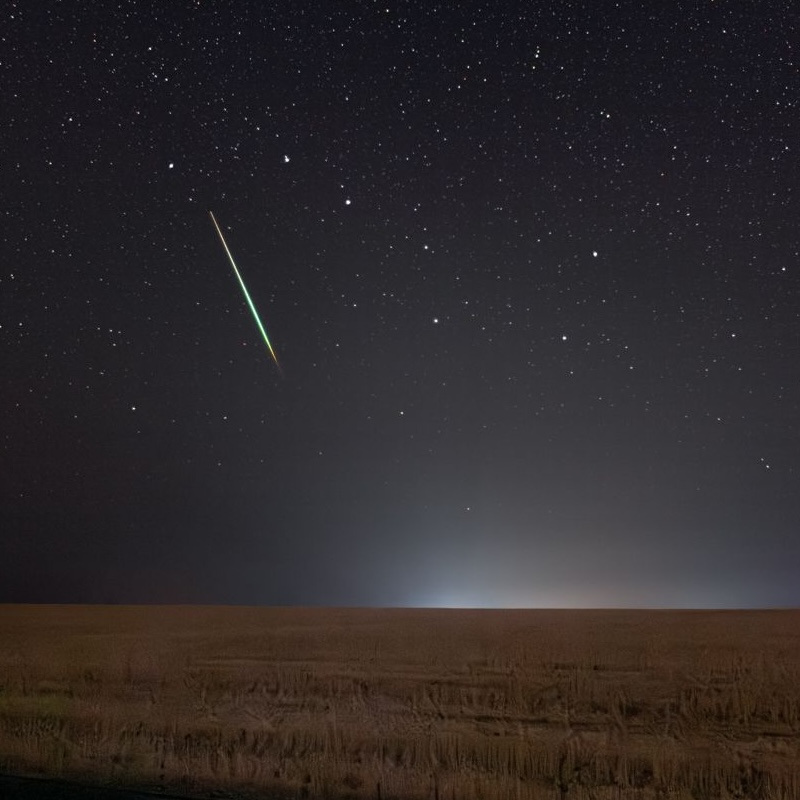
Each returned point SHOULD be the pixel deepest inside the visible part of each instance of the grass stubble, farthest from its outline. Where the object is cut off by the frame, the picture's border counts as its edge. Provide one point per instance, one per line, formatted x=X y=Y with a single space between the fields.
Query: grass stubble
x=403 y=703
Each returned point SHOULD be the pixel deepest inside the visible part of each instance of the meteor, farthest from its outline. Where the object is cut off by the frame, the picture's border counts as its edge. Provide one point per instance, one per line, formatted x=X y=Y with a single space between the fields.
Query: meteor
x=246 y=293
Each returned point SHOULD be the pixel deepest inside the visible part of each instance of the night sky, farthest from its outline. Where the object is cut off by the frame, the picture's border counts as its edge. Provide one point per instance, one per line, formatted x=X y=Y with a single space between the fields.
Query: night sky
x=531 y=272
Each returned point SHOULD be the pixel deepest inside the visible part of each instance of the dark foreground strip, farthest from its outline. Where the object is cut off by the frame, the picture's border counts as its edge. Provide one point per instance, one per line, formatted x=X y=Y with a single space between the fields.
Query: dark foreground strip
x=16 y=788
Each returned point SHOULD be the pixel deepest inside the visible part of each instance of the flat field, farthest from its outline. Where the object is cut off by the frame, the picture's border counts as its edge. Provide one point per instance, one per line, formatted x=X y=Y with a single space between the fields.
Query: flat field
x=406 y=704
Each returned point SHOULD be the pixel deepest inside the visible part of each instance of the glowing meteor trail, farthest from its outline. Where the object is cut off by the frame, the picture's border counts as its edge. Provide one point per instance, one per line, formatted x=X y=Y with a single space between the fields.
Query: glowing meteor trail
x=246 y=293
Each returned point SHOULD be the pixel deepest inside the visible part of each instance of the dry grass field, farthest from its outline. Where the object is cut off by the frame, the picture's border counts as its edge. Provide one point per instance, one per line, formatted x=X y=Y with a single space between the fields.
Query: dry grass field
x=433 y=704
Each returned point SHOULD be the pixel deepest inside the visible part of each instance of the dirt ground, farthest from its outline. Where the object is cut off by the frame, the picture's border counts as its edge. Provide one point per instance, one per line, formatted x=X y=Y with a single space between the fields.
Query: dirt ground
x=406 y=704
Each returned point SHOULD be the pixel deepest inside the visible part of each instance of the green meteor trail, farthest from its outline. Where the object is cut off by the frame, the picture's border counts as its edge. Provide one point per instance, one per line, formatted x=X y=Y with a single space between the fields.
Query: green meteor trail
x=246 y=293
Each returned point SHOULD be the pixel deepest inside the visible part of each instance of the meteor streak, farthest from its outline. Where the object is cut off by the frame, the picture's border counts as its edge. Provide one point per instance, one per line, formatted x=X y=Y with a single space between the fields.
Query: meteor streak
x=246 y=293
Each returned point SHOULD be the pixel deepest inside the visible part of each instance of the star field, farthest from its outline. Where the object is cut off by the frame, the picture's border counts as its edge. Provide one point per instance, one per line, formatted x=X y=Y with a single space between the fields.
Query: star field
x=532 y=272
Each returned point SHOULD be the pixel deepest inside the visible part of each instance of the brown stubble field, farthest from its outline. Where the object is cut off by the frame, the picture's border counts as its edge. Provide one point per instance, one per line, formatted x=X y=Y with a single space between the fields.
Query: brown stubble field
x=394 y=703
